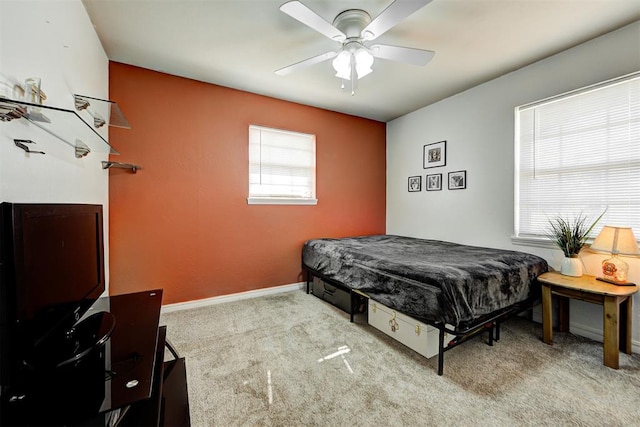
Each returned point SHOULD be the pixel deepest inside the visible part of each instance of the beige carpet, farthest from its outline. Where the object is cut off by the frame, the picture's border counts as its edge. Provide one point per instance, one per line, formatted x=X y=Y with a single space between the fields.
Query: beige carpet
x=292 y=359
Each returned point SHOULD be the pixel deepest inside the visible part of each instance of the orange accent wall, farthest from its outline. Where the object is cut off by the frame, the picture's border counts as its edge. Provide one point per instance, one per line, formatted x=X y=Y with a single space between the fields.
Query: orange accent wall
x=183 y=224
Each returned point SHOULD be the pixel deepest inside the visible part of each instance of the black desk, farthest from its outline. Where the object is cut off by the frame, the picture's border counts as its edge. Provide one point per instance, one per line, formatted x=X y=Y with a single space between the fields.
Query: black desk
x=126 y=382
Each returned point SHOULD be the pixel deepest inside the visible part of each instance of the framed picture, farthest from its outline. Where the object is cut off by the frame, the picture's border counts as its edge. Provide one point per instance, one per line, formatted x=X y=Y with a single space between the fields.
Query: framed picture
x=435 y=155
x=457 y=180
x=415 y=183
x=434 y=182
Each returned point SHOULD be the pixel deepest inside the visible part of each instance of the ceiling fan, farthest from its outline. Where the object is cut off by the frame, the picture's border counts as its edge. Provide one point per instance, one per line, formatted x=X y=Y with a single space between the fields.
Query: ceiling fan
x=354 y=28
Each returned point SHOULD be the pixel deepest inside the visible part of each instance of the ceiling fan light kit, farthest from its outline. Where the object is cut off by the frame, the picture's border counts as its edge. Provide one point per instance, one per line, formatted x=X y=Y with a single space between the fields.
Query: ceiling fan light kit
x=354 y=60
x=352 y=66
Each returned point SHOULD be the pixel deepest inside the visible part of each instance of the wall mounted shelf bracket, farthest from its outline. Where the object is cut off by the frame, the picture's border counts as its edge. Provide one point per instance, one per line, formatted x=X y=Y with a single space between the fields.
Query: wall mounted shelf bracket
x=108 y=165
x=22 y=143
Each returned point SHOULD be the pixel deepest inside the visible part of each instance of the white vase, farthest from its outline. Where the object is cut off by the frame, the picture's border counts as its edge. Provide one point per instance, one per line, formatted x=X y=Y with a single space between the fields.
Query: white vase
x=571 y=266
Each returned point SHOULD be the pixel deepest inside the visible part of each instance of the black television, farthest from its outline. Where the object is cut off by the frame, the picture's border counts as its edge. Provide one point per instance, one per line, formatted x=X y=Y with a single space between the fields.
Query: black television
x=51 y=272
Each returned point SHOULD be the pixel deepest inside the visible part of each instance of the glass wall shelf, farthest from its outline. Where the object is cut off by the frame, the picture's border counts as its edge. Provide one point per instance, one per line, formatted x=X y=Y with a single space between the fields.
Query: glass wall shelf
x=66 y=125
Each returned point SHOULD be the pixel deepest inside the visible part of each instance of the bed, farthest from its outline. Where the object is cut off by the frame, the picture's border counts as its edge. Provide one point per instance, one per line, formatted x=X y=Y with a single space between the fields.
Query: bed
x=460 y=290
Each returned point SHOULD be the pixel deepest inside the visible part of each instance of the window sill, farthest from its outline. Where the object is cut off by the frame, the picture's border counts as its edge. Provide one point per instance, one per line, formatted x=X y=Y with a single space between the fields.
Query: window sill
x=280 y=201
x=541 y=242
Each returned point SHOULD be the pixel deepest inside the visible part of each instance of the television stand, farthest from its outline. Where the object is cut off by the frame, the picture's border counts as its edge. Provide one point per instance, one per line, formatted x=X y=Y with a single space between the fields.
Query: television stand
x=169 y=406
x=88 y=335
x=124 y=382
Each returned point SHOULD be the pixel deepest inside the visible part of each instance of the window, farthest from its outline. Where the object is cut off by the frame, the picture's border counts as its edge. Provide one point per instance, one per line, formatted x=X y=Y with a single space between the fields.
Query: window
x=282 y=167
x=577 y=154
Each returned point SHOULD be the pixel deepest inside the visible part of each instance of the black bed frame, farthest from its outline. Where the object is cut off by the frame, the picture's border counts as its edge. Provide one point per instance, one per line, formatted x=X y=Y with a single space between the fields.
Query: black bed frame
x=490 y=323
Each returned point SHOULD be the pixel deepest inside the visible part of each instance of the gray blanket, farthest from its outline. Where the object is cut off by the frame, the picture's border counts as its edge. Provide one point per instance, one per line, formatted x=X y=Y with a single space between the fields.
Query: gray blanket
x=427 y=279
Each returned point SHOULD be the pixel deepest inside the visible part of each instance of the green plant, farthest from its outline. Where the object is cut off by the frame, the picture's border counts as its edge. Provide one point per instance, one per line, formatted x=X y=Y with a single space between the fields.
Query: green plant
x=570 y=236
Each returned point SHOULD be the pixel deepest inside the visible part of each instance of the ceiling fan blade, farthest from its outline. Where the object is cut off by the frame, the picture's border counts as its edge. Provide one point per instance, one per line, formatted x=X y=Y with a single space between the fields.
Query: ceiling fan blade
x=306 y=63
x=393 y=14
x=302 y=13
x=402 y=54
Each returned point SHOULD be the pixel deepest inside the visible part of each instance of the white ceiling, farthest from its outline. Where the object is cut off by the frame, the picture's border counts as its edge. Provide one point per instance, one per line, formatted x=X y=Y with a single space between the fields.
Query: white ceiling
x=240 y=43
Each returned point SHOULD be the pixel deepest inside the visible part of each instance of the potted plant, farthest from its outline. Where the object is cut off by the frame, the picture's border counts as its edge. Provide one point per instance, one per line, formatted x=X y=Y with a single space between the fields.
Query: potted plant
x=571 y=236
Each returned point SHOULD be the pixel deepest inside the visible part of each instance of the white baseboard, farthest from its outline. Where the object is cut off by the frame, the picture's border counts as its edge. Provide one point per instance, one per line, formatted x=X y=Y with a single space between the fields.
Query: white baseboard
x=587 y=331
x=596 y=335
x=233 y=297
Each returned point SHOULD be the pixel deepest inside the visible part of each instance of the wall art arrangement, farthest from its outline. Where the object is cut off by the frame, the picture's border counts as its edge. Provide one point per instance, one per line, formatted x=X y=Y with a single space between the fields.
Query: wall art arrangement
x=435 y=155
x=434 y=182
x=415 y=183
x=457 y=180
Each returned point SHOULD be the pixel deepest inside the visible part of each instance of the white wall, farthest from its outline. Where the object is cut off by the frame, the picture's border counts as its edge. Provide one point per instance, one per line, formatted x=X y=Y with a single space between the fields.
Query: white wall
x=478 y=125
x=53 y=40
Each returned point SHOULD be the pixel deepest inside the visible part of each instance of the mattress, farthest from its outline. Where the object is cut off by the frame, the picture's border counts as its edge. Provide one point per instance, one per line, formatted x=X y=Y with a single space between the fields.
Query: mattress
x=430 y=280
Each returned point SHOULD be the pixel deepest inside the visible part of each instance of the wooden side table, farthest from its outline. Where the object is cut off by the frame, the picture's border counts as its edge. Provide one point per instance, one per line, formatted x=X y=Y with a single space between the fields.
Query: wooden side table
x=617 y=309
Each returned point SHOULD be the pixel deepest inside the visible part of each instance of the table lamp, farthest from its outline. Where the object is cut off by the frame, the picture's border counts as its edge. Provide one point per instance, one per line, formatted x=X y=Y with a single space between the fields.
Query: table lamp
x=616 y=241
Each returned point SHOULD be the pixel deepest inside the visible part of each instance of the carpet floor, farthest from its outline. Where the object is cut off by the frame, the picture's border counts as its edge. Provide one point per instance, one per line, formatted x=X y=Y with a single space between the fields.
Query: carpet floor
x=293 y=360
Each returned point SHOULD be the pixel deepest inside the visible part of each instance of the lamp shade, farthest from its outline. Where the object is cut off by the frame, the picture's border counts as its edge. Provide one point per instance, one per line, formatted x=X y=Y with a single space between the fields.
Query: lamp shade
x=616 y=240
x=364 y=61
x=342 y=65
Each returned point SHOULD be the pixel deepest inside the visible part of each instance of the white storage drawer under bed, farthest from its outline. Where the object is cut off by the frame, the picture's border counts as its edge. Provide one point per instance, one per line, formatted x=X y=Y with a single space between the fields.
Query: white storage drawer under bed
x=416 y=335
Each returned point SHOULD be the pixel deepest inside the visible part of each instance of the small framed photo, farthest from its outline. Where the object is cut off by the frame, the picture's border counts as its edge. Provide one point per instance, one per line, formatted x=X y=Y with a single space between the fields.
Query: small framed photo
x=435 y=155
x=434 y=182
x=457 y=180
x=415 y=183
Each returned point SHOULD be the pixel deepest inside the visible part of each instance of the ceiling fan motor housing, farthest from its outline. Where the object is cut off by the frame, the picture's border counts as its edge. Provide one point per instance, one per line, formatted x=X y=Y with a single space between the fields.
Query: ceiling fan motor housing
x=351 y=22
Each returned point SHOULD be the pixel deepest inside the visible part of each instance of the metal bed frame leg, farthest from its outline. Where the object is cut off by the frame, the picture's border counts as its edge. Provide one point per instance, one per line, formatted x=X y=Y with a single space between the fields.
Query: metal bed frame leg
x=491 y=329
x=352 y=303
x=441 y=350
x=355 y=300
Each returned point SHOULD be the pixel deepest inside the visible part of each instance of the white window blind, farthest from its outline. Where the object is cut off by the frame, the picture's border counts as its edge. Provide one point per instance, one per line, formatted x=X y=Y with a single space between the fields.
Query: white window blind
x=577 y=154
x=282 y=166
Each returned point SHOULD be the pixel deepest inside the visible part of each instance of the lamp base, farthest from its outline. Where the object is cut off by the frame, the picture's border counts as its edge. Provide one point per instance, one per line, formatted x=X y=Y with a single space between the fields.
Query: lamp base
x=615 y=282
x=615 y=269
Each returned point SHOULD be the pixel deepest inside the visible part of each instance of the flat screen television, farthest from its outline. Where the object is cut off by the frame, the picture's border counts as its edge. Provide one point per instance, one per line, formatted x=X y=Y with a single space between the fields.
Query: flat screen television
x=51 y=272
